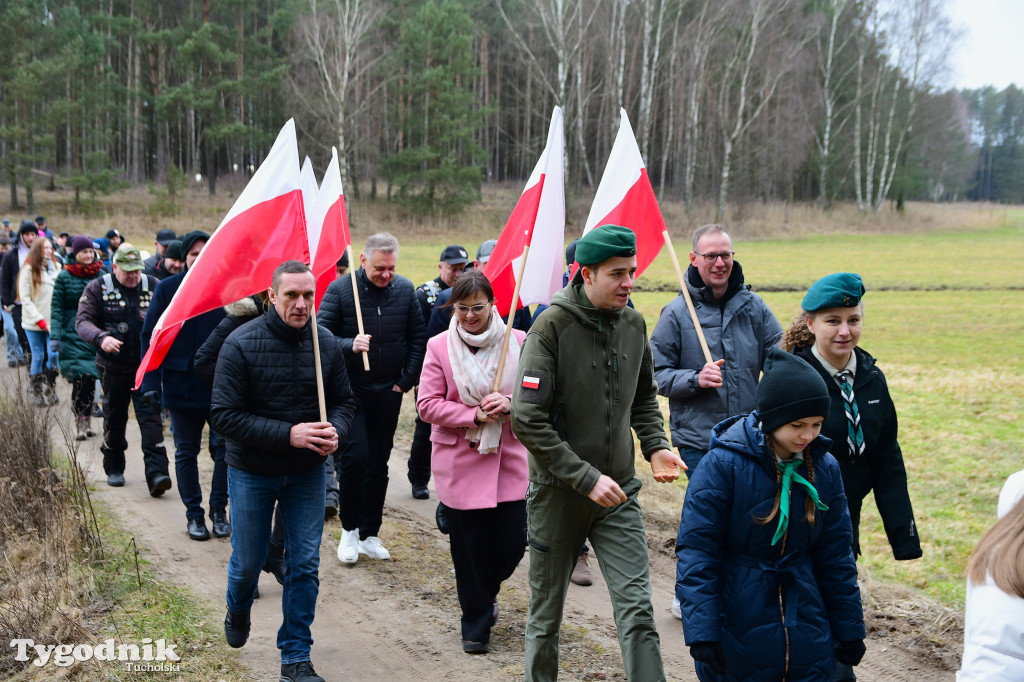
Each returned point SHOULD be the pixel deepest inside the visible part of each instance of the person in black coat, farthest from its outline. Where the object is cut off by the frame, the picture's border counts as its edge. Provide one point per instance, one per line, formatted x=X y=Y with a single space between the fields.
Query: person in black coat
x=862 y=421
x=265 y=405
x=395 y=343
x=10 y=266
x=177 y=387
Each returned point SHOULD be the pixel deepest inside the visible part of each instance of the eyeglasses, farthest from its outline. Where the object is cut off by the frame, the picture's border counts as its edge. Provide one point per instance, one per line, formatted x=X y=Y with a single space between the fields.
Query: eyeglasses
x=475 y=309
x=710 y=258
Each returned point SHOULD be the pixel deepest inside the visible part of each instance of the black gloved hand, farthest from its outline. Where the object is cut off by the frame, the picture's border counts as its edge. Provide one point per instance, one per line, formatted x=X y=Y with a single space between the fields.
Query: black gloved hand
x=850 y=653
x=153 y=399
x=710 y=654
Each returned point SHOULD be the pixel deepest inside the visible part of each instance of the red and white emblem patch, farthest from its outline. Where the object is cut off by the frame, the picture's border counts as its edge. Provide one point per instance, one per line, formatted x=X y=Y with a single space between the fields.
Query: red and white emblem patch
x=531 y=382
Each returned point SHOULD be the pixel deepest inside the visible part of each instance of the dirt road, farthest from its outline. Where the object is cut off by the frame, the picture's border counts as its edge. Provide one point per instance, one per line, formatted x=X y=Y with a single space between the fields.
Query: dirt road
x=398 y=620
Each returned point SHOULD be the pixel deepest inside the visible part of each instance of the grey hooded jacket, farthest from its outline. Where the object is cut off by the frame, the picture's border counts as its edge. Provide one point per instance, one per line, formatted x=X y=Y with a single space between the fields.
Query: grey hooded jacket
x=742 y=331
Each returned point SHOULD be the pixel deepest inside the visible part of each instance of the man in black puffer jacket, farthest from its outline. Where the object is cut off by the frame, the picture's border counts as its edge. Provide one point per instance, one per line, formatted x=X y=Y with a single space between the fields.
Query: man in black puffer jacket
x=265 y=405
x=395 y=342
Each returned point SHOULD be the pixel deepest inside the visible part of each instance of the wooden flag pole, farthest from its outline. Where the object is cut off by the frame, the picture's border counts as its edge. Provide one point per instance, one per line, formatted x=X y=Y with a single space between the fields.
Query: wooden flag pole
x=686 y=295
x=511 y=315
x=355 y=297
x=319 y=374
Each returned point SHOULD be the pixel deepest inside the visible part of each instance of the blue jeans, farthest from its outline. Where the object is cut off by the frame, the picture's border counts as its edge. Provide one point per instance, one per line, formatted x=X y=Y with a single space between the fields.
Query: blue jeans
x=39 y=342
x=14 y=352
x=187 y=431
x=300 y=498
x=692 y=458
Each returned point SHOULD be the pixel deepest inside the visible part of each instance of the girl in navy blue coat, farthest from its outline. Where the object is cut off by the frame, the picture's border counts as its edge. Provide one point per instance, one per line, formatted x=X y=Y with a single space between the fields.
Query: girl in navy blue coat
x=766 y=576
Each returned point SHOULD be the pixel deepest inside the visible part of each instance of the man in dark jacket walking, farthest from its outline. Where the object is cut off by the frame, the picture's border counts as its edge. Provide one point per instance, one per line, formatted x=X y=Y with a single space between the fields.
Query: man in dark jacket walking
x=395 y=342
x=586 y=381
x=177 y=387
x=110 y=315
x=265 y=404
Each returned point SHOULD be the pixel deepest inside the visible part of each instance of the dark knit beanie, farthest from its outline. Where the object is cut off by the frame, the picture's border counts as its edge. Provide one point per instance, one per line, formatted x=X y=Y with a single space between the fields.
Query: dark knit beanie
x=28 y=226
x=190 y=238
x=80 y=243
x=789 y=390
x=604 y=242
x=173 y=250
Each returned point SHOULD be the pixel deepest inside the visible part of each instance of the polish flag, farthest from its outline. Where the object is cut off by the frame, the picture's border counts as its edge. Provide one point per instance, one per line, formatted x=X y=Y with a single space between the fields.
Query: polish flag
x=625 y=197
x=328 y=228
x=267 y=225
x=537 y=221
x=310 y=192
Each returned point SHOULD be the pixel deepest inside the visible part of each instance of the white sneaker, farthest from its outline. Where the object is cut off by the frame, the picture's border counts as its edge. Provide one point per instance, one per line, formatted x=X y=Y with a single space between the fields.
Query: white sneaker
x=348 y=548
x=677 y=611
x=373 y=548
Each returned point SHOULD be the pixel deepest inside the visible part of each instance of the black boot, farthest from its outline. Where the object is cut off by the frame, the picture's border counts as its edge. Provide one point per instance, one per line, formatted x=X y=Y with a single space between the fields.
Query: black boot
x=275 y=561
x=51 y=386
x=38 y=390
x=299 y=672
x=236 y=628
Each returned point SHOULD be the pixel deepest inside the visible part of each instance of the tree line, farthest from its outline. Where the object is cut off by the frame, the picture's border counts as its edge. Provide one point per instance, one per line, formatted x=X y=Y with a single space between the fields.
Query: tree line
x=731 y=100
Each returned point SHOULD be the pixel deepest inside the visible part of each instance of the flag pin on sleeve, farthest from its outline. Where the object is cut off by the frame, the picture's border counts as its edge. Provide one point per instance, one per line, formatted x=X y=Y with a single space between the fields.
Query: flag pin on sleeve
x=531 y=381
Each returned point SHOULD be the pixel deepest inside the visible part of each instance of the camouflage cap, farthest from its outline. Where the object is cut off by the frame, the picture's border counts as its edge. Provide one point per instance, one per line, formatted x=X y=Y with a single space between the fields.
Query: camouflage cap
x=128 y=258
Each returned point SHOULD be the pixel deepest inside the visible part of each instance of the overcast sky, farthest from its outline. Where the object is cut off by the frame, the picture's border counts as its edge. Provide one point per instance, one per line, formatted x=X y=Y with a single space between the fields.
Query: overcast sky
x=991 y=51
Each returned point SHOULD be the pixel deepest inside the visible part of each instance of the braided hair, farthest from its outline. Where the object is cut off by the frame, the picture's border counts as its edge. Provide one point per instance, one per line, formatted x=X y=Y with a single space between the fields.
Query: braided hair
x=809 y=508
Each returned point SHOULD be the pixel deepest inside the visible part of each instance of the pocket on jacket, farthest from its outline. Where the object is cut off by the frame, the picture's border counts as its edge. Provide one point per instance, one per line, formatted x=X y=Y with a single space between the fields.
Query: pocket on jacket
x=443 y=434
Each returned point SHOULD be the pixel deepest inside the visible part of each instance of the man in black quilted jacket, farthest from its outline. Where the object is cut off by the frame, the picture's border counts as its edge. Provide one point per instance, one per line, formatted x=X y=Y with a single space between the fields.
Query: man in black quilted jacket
x=394 y=341
x=265 y=405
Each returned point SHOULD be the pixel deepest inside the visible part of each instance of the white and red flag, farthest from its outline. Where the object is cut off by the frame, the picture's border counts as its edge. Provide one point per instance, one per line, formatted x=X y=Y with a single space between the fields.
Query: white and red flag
x=328 y=228
x=625 y=197
x=537 y=221
x=266 y=226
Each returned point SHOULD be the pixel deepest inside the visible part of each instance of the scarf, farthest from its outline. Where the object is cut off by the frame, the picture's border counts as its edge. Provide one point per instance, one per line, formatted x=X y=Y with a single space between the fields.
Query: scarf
x=788 y=468
x=474 y=372
x=80 y=270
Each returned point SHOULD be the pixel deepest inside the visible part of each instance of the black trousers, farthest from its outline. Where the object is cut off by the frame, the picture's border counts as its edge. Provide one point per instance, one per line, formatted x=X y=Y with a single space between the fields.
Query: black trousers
x=419 y=454
x=486 y=545
x=364 y=460
x=83 y=392
x=22 y=336
x=117 y=394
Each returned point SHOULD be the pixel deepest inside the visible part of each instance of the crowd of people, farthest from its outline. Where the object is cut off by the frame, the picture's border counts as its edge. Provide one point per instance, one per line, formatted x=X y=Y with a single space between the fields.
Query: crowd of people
x=528 y=433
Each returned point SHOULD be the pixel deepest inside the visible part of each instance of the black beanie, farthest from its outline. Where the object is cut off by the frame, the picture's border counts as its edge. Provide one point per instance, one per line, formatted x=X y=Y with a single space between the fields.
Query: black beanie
x=789 y=390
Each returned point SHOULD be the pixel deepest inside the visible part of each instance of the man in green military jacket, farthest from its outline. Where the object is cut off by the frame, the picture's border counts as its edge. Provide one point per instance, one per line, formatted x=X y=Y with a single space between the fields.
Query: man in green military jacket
x=586 y=379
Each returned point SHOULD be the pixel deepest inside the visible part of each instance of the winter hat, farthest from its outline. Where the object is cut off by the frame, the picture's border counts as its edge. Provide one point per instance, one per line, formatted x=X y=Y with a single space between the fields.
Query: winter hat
x=1012 y=491
x=80 y=243
x=343 y=261
x=190 y=238
x=838 y=290
x=483 y=254
x=604 y=242
x=570 y=253
x=173 y=250
x=102 y=245
x=28 y=226
x=790 y=389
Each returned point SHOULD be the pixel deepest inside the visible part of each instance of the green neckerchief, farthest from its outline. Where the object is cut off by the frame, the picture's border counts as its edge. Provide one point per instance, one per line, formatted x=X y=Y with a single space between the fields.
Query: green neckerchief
x=788 y=468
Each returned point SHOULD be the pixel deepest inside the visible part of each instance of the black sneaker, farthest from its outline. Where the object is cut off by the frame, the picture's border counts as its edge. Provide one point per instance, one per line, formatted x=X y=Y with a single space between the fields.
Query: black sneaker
x=221 y=527
x=236 y=629
x=299 y=672
x=160 y=485
x=197 y=529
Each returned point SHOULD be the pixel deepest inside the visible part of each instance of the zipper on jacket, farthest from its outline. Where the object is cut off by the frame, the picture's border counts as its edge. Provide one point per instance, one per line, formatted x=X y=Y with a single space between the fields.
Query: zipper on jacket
x=782 y=609
x=615 y=374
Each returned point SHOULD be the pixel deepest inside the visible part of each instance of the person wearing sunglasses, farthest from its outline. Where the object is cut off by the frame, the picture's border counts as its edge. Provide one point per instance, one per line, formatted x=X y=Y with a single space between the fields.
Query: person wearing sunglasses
x=480 y=467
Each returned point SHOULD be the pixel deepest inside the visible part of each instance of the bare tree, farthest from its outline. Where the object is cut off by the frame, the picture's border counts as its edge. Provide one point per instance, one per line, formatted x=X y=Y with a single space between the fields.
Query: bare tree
x=829 y=44
x=751 y=73
x=330 y=36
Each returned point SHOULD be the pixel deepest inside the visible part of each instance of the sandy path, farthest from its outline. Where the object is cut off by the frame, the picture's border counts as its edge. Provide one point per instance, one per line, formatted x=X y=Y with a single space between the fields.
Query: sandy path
x=375 y=623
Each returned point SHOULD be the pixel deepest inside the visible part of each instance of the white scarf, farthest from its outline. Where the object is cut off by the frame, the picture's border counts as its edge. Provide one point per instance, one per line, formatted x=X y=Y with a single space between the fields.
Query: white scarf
x=474 y=372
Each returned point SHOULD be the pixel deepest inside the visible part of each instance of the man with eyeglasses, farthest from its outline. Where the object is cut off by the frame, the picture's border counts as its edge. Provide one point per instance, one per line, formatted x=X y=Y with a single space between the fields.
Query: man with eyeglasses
x=395 y=339
x=739 y=329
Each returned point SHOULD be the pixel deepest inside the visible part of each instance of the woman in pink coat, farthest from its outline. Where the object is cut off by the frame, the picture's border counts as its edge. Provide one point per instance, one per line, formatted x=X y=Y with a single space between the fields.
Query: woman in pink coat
x=479 y=465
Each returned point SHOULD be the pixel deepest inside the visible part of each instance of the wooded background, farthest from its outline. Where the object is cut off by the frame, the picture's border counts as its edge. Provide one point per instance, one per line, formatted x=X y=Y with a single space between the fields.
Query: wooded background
x=730 y=100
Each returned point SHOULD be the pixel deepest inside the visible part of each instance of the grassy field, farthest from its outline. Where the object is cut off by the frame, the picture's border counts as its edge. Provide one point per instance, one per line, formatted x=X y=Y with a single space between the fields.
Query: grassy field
x=943 y=316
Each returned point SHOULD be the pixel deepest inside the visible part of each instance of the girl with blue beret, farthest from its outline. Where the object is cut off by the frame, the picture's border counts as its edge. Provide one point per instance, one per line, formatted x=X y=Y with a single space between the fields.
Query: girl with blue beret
x=861 y=423
x=766 y=576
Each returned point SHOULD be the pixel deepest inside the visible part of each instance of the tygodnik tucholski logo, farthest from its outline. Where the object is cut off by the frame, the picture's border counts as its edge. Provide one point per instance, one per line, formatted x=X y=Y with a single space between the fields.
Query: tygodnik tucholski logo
x=147 y=656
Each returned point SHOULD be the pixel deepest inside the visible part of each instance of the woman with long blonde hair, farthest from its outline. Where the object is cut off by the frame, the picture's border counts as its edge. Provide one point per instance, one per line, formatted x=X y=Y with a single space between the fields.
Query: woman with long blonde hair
x=35 y=288
x=994 y=618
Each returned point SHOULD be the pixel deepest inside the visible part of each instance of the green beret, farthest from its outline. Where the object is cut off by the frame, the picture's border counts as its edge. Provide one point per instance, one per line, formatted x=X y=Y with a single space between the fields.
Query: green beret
x=604 y=242
x=838 y=290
